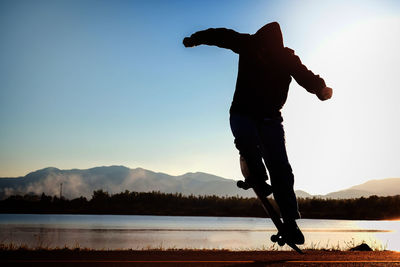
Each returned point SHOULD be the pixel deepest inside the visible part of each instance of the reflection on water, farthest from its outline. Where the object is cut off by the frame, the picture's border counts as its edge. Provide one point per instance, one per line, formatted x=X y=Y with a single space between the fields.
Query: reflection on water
x=141 y=232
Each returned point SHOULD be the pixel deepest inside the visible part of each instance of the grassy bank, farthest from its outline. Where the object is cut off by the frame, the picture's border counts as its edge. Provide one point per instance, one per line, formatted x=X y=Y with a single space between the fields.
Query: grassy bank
x=348 y=246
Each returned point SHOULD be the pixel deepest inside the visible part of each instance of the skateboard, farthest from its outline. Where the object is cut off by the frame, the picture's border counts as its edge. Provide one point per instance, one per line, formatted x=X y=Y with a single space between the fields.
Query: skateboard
x=262 y=193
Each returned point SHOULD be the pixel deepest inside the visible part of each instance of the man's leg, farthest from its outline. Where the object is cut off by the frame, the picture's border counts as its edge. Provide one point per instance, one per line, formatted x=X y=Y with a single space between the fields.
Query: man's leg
x=247 y=142
x=272 y=138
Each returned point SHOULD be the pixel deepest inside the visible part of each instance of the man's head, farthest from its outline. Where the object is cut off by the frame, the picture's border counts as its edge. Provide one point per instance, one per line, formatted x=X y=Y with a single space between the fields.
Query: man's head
x=269 y=36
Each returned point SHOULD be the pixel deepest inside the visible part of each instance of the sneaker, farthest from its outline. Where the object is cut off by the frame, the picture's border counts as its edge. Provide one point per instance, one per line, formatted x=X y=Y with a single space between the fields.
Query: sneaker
x=265 y=188
x=293 y=232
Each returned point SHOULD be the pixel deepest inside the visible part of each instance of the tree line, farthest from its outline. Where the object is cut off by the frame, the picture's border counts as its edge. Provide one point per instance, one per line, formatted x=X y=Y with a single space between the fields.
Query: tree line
x=156 y=203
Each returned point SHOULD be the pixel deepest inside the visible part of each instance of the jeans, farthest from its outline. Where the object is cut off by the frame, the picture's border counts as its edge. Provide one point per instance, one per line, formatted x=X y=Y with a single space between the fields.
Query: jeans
x=264 y=139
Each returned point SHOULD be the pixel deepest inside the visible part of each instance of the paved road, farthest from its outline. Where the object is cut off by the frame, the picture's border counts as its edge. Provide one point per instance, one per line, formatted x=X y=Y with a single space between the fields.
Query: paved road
x=62 y=258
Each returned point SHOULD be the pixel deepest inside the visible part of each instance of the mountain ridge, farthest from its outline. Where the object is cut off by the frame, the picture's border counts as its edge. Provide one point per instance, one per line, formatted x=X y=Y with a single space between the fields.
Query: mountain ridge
x=118 y=178
x=114 y=179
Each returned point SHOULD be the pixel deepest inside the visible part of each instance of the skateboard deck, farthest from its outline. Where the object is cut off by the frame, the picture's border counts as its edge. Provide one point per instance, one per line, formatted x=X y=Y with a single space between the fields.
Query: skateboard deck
x=269 y=209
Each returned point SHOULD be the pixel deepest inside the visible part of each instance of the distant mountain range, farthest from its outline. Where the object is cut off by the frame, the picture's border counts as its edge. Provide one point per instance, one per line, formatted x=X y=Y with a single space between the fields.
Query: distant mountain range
x=382 y=187
x=115 y=179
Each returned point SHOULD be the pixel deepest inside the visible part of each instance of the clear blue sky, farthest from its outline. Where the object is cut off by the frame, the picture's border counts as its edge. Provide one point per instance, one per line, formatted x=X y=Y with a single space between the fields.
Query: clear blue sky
x=89 y=83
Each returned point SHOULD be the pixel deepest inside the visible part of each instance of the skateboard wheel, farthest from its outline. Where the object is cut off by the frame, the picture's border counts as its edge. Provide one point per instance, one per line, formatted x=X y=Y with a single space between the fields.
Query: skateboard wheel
x=243 y=185
x=281 y=242
x=274 y=238
x=240 y=184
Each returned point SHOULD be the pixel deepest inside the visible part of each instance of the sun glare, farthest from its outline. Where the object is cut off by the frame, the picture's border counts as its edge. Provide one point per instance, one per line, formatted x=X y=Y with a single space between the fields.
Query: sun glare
x=363 y=47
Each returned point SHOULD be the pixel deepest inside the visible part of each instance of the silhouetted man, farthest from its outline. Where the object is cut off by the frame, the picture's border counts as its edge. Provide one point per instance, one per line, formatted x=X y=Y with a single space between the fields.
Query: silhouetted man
x=265 y=71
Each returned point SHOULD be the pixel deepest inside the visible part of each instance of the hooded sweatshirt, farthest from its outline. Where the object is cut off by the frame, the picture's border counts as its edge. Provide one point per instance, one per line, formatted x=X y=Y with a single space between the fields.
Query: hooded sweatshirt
x=265 y=70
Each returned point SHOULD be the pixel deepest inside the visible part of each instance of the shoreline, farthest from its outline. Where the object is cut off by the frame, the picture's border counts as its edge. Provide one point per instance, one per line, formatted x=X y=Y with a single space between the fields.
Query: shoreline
x=193 y=216
x=157 y=203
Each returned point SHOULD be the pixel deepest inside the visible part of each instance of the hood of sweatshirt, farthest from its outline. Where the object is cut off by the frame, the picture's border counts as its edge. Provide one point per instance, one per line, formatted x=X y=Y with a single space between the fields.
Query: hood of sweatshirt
x=269 y=36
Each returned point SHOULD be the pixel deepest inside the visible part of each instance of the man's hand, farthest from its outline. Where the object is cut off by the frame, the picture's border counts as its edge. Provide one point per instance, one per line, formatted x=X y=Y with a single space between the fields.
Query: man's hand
x=188 y=42
x=325 y=93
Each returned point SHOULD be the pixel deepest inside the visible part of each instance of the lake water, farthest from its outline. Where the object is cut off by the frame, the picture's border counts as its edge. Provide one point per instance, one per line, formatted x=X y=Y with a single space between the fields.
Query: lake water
x=145 y=232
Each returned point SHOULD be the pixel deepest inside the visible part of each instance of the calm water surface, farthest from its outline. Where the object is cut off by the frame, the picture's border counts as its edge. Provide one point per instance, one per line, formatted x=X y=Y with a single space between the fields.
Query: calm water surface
x=141 y=232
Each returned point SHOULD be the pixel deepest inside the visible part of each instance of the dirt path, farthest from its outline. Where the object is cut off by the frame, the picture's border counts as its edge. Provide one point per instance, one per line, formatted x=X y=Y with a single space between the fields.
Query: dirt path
x=61 y=258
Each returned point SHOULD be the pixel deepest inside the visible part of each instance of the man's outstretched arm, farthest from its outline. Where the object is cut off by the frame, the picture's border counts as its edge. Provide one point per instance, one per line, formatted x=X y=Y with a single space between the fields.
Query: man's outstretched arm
x=221 y=37
x=306 y=78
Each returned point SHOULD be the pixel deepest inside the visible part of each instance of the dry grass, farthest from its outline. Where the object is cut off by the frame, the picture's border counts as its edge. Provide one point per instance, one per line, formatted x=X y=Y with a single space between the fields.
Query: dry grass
x=375 y=246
